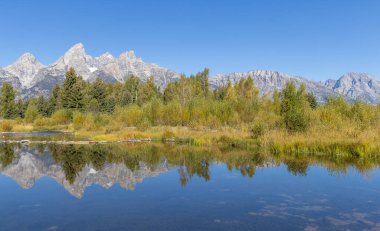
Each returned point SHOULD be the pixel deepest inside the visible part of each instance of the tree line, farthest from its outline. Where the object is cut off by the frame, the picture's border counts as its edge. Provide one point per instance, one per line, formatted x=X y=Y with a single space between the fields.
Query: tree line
x=186 y=102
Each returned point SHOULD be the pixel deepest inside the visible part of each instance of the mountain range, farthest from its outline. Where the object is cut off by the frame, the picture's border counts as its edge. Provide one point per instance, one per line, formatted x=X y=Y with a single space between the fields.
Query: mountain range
x=31 y=78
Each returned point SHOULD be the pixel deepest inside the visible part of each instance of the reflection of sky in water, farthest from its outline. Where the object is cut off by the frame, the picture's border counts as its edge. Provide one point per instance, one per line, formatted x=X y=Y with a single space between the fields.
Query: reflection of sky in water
x=273 y=199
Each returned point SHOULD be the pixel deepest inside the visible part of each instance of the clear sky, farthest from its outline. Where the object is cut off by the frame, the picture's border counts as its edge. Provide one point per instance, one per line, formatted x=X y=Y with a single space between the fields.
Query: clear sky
x=318 y=39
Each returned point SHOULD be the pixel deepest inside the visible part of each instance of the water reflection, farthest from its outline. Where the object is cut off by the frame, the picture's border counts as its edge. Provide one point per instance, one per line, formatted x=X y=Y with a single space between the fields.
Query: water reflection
x=78 y=166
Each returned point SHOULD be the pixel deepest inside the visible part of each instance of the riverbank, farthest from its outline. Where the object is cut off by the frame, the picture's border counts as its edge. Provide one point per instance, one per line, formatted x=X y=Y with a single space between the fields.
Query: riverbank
x=316 y=140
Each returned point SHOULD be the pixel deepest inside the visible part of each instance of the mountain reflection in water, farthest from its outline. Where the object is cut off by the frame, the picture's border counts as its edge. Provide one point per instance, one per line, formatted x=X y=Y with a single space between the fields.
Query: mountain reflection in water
x=77 y=167
x=179 y=187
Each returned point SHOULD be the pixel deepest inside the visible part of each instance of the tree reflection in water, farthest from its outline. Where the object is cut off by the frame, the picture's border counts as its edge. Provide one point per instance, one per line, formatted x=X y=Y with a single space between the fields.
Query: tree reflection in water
x=191 y=161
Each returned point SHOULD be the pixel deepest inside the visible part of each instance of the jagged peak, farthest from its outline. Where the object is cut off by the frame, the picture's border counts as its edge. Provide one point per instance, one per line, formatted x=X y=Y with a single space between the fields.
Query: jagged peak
x=106 y=55
x=357 y=75
x=27 y=56
x=78 y=46
x=258 y=72
x=128 y=55
x=24 y=59
x=77 y=49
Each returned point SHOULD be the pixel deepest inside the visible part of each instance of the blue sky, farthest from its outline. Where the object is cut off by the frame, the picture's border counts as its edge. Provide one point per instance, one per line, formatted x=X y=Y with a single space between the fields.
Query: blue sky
x=318 y=39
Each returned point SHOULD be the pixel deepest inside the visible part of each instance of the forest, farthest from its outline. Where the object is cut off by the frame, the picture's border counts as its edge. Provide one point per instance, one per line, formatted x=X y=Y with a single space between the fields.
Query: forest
x=189 y=110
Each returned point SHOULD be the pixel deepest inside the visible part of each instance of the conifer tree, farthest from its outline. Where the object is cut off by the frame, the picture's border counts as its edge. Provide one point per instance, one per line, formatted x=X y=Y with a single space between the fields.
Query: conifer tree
x=7 y=101
x=42 y=106
x=98 y=92
x=72 y=91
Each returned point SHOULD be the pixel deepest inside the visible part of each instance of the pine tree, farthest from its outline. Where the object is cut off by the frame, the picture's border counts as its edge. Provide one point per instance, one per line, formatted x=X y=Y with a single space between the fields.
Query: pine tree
x=310 y=97
x=72 y=91
x=56 y=98
x=7 y=101
x=42 y=106
x=98 y=92
x=21 y=108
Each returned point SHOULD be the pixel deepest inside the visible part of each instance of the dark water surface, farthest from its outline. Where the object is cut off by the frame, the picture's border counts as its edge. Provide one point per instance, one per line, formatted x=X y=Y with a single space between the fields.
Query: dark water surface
x=159 y=187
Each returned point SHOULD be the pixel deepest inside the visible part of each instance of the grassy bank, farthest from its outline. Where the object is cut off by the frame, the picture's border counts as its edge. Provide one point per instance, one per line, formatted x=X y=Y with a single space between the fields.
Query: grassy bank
x=318 y=139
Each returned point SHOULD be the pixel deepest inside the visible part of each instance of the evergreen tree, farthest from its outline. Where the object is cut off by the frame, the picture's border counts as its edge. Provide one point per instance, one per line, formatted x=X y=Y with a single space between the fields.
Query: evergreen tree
x=56 y=99
x=312 y=100
x=42 y=106
x=20 y=108
x=7 y=101
x=72 y=91
x=98 y=92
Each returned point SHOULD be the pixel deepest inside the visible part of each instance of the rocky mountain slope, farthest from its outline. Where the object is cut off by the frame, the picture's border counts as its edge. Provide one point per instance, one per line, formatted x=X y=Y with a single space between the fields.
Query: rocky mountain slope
x=269 y=81
x=31 y=78
x=357 y=86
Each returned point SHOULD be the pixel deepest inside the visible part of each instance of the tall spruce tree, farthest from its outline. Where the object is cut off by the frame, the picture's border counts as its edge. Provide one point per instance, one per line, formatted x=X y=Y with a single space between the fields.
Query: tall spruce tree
x=7 y=101
x=72 y=91
x=98 y=92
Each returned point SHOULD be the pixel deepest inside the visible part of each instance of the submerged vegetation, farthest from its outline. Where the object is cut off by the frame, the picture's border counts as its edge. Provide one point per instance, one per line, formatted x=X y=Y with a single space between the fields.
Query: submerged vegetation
x=187 y=111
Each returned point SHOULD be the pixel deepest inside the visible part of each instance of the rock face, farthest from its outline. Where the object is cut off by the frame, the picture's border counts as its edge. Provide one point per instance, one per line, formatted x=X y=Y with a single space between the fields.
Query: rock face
x=30 y=167
x=32 y=78
x=5 y=76
x=25 y=68
x=269 y=81
x=357 y=86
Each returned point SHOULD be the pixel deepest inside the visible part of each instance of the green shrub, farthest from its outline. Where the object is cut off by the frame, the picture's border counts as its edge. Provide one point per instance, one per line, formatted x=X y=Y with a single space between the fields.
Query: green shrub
x=258 y=130
x=31 y=113
x=62 y=116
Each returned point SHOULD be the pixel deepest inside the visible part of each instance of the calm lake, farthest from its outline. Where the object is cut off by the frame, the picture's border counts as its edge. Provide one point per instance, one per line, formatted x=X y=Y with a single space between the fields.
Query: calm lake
x=174 y=187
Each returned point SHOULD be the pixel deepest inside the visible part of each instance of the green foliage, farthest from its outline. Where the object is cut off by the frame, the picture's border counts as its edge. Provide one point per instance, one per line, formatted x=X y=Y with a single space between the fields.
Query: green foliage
x=258 y=130
x=130 y=91
x=7 y=101
x=31 y=112
x=312 y=100
x=148 y=91
x=62 y=116
x=73 y=91
x=187 y=102
x=293 y=108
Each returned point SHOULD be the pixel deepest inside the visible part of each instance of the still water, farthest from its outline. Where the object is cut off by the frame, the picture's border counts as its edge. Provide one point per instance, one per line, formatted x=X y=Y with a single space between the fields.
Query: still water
x=163 y=187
